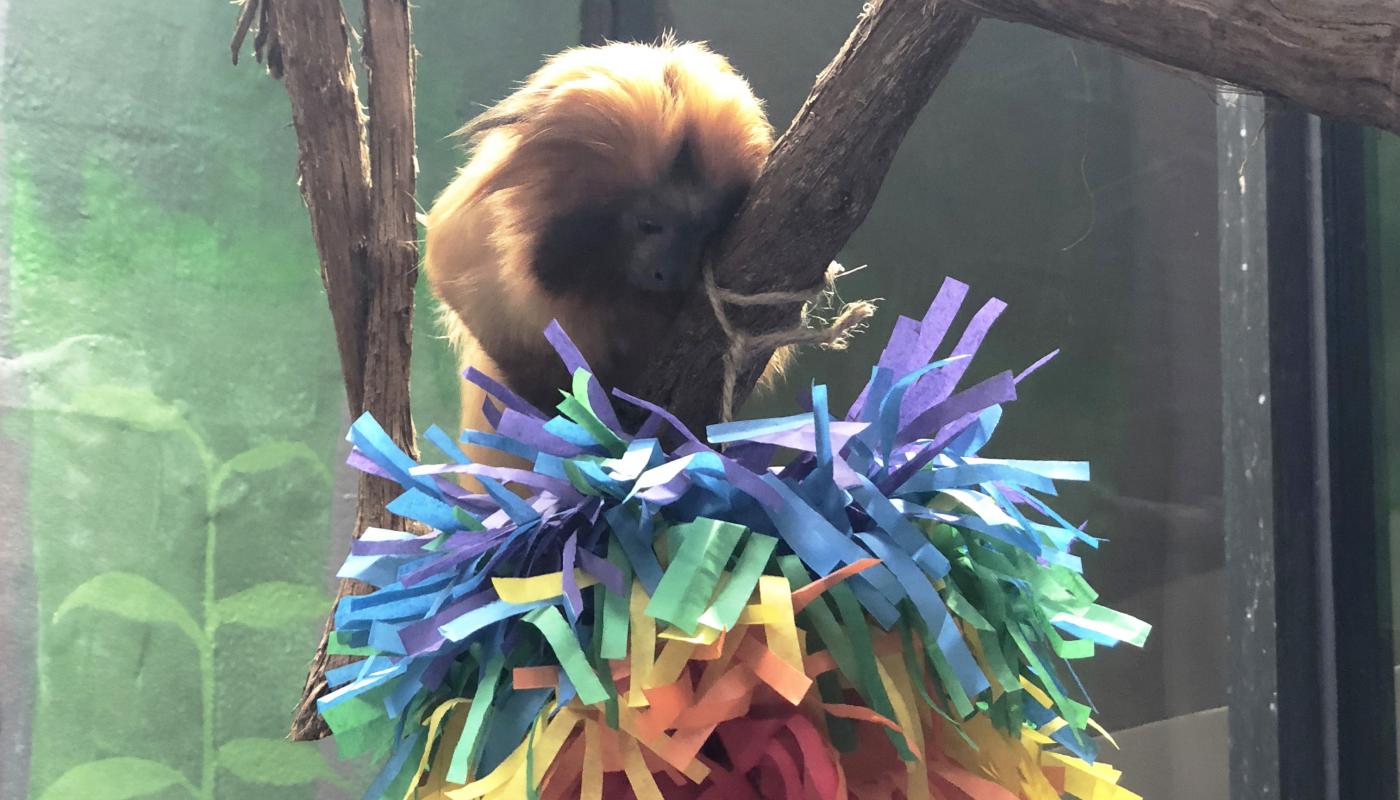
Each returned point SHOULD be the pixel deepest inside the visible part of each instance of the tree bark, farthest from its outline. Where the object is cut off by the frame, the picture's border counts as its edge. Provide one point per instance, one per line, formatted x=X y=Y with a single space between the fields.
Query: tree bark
x=819 y=183
x=359 y=194
x=1339 y=58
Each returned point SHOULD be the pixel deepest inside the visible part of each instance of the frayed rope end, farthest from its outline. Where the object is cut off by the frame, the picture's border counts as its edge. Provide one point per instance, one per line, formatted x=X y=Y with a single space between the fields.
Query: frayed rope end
x=834 y=336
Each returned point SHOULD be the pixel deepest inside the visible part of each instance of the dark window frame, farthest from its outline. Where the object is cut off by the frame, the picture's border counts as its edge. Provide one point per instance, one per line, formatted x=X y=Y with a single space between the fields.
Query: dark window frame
x=1310 y=689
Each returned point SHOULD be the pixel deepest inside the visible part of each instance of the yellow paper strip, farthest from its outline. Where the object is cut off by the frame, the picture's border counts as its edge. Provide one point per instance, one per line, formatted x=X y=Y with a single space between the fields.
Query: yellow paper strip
x=643 y=634
x=549 y=745
x=759 y=614
x=643 y=784
x=901 y=698
x=592 y=762
x=499 y=777
x=674 y=656
x=703 y=635
x=782 y=631
x=433 y=721
x=537 y=587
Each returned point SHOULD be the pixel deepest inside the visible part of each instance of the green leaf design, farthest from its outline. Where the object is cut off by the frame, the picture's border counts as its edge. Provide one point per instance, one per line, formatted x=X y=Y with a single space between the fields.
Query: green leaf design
x=132 y=597
x=274 y=762
x=115 y=779
x=137 y=408
x=272 y=605
x=271 y=456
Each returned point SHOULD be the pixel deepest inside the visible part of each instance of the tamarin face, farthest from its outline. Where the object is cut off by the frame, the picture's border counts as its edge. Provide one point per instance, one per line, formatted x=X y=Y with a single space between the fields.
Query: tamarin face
x=652 y=239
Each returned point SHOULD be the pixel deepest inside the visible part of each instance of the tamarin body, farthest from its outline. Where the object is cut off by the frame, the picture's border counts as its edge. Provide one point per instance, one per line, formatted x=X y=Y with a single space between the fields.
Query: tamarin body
x=591 y=196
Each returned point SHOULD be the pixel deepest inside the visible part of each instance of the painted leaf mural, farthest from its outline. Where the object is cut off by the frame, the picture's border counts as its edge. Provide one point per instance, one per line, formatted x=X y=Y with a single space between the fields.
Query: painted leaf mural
x=168 y=380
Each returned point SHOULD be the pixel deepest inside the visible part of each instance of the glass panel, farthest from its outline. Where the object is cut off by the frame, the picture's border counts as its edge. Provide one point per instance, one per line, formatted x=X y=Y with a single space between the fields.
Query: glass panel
x=1386 y=284
x=1078 y=186
x=160 y=315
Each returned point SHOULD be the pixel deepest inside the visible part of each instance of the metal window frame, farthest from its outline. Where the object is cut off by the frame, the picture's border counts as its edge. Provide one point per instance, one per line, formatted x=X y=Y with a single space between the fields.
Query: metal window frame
x=1310 y=690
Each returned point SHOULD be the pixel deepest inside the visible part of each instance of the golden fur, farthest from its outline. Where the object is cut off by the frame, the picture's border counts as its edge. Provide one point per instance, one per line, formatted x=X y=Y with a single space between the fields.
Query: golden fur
x=593 y=122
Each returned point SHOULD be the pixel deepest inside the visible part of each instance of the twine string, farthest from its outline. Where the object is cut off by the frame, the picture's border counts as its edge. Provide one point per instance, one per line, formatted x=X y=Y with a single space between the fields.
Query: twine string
x=743 y=344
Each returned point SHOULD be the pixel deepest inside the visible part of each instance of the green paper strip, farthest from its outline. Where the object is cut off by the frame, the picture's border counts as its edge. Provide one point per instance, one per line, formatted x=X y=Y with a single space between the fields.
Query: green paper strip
x=868 y=675
x=1110 y=623
x=724 y=612
x=571 y=657
x=912 y=664
x=1075 y=713
x=961 y=703
x=468 y=521
x=336 y=646
x=818 y=612
x=689 y=581
x=360 y=727
x=468 y=749
x=841 y=731
x=964 y=608
x=616 y=618
x=576 y=407
x=995 y=659
x=1069 y=649
x=532 y=792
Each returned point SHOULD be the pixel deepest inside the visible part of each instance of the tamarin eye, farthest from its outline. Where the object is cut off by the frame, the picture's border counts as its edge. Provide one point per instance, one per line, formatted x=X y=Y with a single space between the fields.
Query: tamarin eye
x=649 y=226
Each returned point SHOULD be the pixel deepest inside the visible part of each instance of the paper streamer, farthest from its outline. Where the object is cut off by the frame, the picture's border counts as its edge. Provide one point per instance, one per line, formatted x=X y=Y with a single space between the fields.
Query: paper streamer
x=889 y=614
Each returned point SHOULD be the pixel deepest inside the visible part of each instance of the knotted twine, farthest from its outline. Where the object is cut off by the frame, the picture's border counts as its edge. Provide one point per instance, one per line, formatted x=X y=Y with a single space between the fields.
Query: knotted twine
x=743 y=345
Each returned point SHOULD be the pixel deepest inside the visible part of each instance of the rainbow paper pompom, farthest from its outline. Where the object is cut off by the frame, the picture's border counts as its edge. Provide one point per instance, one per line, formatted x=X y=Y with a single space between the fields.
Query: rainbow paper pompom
x=886 y=615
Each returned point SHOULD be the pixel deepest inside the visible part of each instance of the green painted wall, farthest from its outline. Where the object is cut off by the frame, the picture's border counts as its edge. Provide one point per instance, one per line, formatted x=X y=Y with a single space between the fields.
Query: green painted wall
x=175 y=409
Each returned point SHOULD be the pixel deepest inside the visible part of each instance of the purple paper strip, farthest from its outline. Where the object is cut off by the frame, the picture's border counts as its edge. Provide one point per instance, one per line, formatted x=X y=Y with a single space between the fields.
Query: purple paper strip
x=510 y=399
x=522 y=477
x=938 y=385
x=531 y=432
x=574 y=361
x=1045 y=359
x=910 y=347
x=658 y=411
x=423 y=635
x=490 y=413
x=604 y=570
x=993 y=391
x=358 y=460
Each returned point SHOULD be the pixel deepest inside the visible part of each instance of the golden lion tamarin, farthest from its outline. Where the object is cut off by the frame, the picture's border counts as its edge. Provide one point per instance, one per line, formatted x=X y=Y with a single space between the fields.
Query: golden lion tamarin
x=590 y=198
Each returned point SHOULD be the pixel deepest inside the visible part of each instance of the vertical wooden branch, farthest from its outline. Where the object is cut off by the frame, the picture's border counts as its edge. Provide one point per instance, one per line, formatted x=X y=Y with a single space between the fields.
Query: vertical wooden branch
x=332 y=165
x=359 y=193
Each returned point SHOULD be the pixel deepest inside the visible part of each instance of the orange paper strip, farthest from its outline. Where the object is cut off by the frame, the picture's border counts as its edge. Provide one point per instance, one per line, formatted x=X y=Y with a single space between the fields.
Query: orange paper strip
x=803 y=597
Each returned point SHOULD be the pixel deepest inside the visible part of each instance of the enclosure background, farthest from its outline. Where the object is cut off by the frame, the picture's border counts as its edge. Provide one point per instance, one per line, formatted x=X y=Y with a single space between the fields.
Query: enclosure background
x=170 y=378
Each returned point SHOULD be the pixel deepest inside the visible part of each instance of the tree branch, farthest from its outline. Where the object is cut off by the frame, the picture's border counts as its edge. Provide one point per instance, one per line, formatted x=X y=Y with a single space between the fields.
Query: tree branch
x=819 y=183
x=360 y=199
x=1339 y=58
